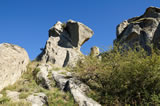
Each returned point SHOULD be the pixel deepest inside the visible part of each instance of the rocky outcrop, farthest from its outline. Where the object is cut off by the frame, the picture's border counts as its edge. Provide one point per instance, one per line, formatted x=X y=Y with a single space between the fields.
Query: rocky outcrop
x=63 y=45
x=94 y=51
x=67 y=82
x=42 y=76
x=13 y=95
x=38 y=99
x=143 y=30
x=35 y=99
x=13 y=62
x=1 y=95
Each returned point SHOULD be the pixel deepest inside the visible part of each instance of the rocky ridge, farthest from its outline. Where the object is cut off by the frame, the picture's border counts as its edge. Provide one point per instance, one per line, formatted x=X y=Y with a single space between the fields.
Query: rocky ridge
x=143 y=30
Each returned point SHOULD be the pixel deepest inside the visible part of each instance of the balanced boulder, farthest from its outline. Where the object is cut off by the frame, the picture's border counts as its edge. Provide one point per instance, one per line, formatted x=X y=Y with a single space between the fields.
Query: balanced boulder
x=13 y=62
x=63 y=45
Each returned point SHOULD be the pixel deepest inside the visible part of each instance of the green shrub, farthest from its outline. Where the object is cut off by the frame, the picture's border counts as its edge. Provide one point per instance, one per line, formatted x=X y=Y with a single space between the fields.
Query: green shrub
x=4 y=99
x=130 y=77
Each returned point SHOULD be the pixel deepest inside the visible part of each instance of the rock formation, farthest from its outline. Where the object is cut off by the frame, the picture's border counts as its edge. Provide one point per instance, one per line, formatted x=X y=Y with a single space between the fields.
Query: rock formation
x=63 y=45
x=66 y=81
x=13 y=62
x=94 y=51
x=35 y=99
x=38 y=99
x=143 y=30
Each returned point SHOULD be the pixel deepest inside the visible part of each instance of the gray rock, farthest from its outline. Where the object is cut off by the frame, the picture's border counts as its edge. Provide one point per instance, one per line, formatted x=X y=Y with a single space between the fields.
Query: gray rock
x=121 y=27
x=63 y=45
x=13 y=62
x=79 y=33
x=79 y=95
x=38 y=99
x=65 y=81
x=42 y=76
x=61 y=78
x=94 y=51
x=13 y=95
x=1 y=95
x=140 y=30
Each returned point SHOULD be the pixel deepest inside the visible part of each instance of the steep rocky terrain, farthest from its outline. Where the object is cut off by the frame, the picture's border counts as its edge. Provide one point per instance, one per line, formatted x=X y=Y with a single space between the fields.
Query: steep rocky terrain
x=62 y=75
x=62 y=49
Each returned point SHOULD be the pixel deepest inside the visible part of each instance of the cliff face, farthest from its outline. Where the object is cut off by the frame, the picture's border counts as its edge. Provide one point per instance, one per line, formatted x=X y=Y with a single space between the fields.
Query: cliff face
x=142 y=30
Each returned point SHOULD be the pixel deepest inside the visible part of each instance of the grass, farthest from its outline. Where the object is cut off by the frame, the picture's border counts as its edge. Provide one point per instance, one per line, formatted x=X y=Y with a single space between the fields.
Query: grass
x=141 y=20
x=27 y=86
x=22 y=103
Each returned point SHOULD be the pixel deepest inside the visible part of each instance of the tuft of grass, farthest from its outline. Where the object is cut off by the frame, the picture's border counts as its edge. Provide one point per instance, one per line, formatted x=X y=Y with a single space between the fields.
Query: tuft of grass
x=21 y=103
x=141 y=20
x=4 y=99
x=27 y=85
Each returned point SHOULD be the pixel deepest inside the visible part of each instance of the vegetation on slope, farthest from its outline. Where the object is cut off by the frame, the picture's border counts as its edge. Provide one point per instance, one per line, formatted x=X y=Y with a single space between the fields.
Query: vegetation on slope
x=27 y=85
x=128 y=78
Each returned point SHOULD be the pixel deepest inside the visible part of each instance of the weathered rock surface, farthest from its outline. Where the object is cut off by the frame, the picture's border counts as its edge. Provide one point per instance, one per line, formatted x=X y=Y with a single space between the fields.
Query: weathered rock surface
x=142 y=30
x=42 y=76
x=77 y=90
x=1 y=95
x=94 y=51
x=13 y=62
x=38 y=99
x=65 y=81
x=13 y=95
x=61 y=77
x=63 y=45
x=79 y=33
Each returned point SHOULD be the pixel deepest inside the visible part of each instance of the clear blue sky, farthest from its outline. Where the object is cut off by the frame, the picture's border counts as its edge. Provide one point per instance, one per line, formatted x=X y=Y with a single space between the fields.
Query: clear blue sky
x=26 y=22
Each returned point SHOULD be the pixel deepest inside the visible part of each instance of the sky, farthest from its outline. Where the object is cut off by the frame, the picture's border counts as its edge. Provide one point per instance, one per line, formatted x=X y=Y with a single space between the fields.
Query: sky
x=26 y=22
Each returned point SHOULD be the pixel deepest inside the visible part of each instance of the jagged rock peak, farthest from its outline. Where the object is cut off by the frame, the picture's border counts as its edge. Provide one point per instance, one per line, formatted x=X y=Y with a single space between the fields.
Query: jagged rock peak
x=63 y=46
x=142 y=30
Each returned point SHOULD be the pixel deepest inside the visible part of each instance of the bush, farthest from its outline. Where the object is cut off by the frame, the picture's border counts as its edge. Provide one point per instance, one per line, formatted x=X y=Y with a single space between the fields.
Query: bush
x=128 y=78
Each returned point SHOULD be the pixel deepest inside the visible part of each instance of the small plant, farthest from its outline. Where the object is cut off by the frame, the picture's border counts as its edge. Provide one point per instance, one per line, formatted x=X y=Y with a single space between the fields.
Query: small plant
x=63 y=25
x=4 y=99
x=36 y=70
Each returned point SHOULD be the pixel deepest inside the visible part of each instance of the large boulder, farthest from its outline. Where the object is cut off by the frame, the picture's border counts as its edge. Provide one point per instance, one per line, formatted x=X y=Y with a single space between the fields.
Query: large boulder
x=79 y=33
x=13 y=62
x=63 y=45
x=143 y=30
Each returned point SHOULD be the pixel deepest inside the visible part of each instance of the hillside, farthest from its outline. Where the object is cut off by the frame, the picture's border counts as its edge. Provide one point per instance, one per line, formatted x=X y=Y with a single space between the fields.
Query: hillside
x=61 y=75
